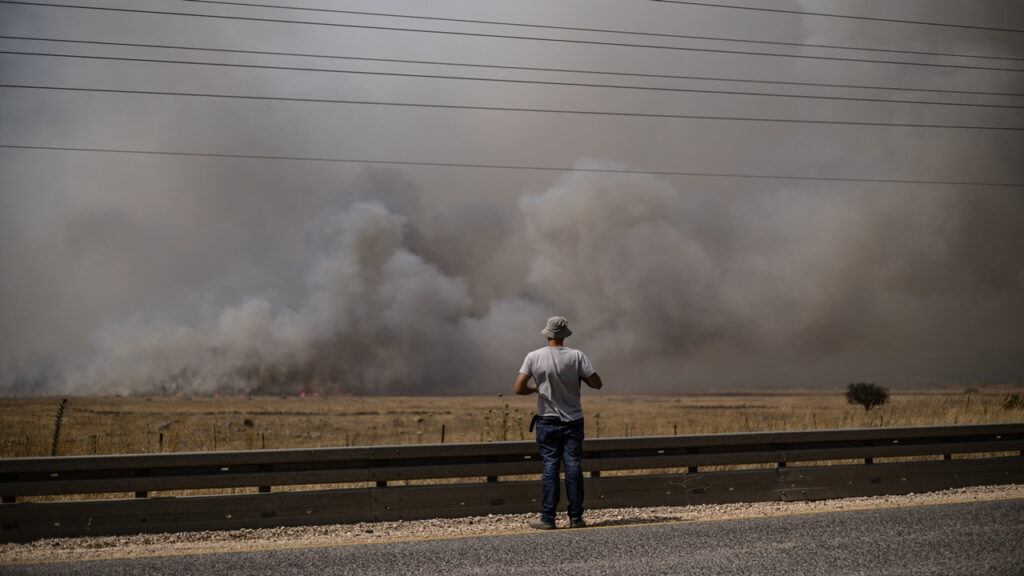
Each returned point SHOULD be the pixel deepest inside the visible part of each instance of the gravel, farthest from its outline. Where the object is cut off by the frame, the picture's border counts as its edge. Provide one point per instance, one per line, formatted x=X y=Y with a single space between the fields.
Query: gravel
x=96 y=547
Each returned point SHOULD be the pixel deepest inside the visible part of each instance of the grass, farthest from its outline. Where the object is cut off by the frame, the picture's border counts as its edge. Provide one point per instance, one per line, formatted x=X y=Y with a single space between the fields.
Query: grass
x=123 y=425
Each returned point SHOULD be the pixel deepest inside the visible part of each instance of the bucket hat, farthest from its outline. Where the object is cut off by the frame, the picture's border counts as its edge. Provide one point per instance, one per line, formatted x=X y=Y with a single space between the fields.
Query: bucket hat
x=557 y=328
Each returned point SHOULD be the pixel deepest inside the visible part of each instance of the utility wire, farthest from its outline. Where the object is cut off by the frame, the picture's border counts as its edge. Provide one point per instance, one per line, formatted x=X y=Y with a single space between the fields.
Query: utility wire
x=517 y=37
x=847 y=16
x=513 y=80
x=519 y=68
x=516 y=167
x=601 y=30
x=514 y=109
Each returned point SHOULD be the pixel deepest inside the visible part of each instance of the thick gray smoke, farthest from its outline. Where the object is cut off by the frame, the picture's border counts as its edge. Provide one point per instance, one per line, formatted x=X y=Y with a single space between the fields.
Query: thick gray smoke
x=679 y=287
x=375 y=318
x=138 y=274
x=667 y=289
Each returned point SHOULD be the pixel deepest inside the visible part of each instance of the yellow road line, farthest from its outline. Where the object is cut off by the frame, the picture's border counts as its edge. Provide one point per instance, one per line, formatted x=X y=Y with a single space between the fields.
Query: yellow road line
x=503 y=533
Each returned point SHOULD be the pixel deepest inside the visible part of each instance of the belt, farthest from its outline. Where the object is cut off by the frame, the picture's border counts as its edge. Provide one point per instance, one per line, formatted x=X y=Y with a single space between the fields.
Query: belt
x=549 y=420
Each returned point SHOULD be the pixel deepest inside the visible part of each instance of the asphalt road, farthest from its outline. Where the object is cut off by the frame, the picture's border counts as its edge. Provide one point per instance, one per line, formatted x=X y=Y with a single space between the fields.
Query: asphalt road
x=976 y=538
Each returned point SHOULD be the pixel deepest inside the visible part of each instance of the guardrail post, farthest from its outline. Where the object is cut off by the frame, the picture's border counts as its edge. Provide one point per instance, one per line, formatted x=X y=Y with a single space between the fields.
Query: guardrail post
x=264 y=468
x=141 y=472
x=692 y=450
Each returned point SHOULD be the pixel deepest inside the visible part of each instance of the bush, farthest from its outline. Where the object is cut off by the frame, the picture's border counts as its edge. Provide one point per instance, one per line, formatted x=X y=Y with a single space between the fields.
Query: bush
x=867 y=395
x=1013 y=401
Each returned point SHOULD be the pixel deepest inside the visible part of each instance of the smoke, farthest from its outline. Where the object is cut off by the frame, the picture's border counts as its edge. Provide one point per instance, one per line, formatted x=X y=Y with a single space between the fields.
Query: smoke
x=666 y=289
x=376 y=318
x=689 y=288
x=145 y=274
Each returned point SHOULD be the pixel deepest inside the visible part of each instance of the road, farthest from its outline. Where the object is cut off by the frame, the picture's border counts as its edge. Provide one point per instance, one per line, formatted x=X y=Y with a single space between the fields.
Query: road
x=973 y=538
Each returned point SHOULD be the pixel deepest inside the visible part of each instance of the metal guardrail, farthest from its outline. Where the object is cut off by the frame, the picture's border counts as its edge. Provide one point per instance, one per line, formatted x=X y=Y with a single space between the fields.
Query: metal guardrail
x=345 y=485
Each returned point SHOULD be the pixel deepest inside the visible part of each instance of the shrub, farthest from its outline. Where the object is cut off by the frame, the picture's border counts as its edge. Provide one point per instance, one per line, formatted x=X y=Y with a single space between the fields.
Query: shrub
x=1013 y=401
x=867 y=395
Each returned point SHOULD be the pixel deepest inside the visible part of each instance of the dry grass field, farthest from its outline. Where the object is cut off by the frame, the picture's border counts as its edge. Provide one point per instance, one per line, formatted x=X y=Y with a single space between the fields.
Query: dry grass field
x=122 y=425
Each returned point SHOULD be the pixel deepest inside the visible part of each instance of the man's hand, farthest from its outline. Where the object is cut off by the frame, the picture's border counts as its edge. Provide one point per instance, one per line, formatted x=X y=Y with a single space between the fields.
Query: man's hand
x=522 y=386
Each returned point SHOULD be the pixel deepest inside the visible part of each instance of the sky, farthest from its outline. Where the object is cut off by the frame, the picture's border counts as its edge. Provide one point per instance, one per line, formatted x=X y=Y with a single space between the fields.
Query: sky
x=391 y=197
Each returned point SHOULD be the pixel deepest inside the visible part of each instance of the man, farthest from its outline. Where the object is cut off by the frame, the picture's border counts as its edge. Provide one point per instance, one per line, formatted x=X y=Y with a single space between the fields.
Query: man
x=557 y=371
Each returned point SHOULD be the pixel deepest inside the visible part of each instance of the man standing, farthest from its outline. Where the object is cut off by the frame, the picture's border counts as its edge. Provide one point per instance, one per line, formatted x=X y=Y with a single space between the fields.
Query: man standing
x=557 y=371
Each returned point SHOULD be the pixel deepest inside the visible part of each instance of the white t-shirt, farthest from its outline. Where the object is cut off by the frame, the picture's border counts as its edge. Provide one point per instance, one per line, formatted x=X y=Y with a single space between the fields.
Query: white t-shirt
x=557 y=370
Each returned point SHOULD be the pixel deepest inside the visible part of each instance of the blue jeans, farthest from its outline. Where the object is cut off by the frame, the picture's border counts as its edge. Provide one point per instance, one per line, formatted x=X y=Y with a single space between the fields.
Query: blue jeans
x=561 y=443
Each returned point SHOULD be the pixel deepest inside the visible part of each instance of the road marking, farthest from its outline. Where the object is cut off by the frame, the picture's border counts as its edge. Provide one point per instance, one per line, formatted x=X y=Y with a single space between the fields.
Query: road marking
x=627 y=524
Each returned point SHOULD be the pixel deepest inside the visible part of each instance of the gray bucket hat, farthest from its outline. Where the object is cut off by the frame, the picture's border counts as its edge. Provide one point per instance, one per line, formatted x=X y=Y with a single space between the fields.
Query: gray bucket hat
x=557 y=328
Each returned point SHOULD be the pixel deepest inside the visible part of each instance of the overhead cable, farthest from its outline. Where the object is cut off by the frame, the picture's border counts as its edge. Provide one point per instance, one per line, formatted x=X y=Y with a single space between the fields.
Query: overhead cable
x=510 y=67
x=566 y=111
x=600 y=30
x=512 y=80
x=518 y=37
x=519 y=167
x=846 y=16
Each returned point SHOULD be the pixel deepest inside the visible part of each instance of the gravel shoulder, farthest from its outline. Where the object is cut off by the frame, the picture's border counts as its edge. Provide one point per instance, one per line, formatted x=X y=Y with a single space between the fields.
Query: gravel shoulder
x=97 y=547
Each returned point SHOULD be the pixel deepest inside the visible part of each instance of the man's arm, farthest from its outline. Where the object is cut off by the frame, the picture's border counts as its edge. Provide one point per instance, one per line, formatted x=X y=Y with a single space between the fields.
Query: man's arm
x=522 y=386
x=594 y=381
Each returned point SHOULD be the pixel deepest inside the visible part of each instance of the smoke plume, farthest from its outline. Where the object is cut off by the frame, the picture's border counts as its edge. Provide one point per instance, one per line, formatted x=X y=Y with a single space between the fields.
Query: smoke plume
x=198 y=273
x=666 y=289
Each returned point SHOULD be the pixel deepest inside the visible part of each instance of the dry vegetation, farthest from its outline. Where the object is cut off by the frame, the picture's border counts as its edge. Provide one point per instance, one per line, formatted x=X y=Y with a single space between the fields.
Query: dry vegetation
x=92 y=425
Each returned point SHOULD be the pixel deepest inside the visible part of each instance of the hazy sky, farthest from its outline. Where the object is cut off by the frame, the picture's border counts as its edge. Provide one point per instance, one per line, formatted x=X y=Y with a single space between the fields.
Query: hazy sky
x=350 y=202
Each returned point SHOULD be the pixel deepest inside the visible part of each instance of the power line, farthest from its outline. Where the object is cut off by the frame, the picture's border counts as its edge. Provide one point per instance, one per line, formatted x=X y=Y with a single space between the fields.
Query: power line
x=513 y=80
x=514 y=166
x=514 y=109
x=847 y=16
x=517 y=37
x=600 y=30
x=518 y=68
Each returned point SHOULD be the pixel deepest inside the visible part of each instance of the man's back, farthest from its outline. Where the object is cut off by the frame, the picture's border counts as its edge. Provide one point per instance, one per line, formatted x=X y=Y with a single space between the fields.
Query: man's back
x=557 y=371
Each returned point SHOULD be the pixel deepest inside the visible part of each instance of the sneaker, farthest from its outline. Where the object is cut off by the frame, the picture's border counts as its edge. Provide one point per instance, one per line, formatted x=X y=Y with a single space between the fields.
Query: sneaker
x=541 y=525
x=578 y=523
